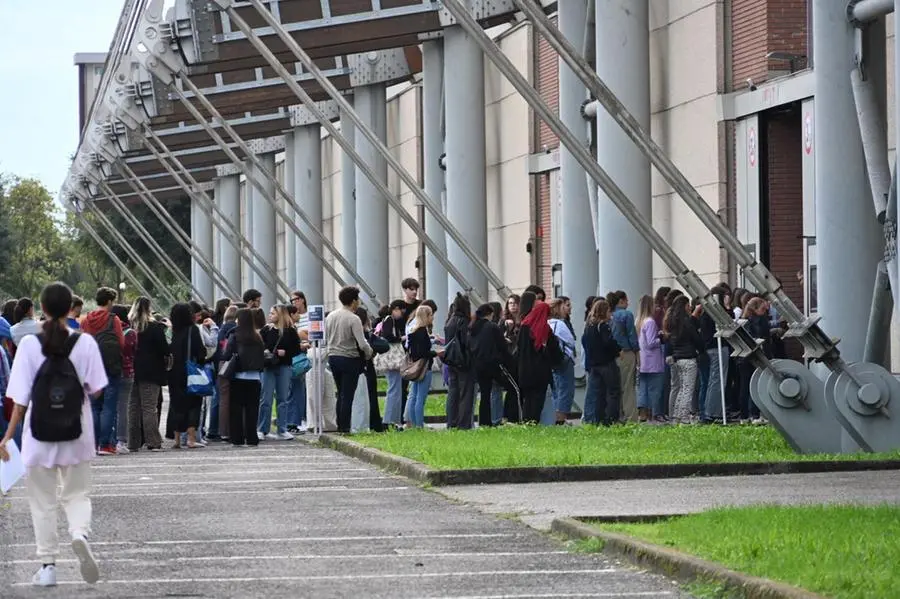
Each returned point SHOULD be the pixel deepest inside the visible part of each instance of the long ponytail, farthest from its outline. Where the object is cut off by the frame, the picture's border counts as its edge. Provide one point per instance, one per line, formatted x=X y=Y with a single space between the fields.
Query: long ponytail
x=56 y=302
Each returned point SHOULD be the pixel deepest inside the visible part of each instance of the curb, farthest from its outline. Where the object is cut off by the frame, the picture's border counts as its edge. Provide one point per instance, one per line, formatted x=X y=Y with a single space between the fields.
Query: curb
x=487 y=476
x=678 y=565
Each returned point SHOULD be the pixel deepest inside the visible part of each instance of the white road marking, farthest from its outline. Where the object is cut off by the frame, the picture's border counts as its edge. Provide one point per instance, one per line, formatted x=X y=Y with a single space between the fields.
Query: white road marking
x=342 y=489
x=253 y=481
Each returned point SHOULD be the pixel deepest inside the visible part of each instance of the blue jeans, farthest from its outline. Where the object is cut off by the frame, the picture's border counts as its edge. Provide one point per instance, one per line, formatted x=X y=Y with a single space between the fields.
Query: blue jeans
x=564 y=386
x=297 y=405
x=650 y=392
x=393 y=401
x=105 y=409
x=713 y=402
x=418 y=393
x=214 y=413
x=276 y=382
x=496 y=404
x=603 y=395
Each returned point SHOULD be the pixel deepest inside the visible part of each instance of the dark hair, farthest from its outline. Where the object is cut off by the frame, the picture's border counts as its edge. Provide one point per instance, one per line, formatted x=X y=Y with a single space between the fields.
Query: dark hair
x=497 y=311
x=259 y=317
x=409 y=283
x=383 y=311
x=671 y=296
x=526 y=303
x=397 y=304
x=363 y=316
x=221 y=306
x=431 y=304
x=106 y=296
x=484 y=310
x=239 y=305
x=660 y=298
x=612 y=298
x=9 y=311
x=348 y=295
x=122 y=313
x=23 y=307
x=719 y=292
x=676 y=316
x=77 y=302
x=56 y=302
x=514 y=297
x=181 y=317
x=536 y=290
x=251 y=295
x=461 y=307
x=588 y=304
x=245 y=330
x=196 y=307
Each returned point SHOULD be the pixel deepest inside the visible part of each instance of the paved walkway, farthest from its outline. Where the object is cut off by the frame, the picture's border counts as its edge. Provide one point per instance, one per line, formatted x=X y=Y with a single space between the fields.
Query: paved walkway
x=290 y=519
x=539 y=504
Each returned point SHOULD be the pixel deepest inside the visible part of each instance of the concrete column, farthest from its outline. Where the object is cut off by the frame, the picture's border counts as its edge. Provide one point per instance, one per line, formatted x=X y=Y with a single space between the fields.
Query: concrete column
x=579 y=256
x=263 y=223
x=228 y=258
x=291 y=241
x=372 y=209
x=202 y=239
x=348 y=199
x=849 y=242
x=433 y=147
x=623 y=62
x=249 y=277
x=307 y=166
x=466 y=154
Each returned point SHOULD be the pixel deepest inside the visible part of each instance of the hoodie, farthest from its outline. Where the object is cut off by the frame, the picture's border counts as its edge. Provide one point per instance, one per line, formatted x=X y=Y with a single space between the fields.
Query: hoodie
x=98 y=320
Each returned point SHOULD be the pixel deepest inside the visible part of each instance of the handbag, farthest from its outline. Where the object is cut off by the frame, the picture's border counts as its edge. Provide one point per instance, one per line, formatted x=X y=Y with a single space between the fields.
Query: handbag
x=414 y=370
x=394 y=359
x=300 y=365
x=272 y=358
x=228 y=368
x=199 y=377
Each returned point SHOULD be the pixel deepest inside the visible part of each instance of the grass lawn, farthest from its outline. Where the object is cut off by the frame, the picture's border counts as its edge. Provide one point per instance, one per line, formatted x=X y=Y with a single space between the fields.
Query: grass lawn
x=511 y=446
x=435 y=405
x=846 y=552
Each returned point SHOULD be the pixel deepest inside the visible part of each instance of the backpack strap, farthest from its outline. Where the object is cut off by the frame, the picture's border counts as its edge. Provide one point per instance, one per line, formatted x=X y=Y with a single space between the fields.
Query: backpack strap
x=70 y=342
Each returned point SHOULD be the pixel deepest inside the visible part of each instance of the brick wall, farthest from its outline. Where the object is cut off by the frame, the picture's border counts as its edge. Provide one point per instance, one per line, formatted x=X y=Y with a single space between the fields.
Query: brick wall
x=762 y=26
x=547 y=65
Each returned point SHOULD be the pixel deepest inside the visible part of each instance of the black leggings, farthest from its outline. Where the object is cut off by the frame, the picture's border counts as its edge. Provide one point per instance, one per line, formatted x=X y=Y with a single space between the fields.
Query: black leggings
x=243 y=411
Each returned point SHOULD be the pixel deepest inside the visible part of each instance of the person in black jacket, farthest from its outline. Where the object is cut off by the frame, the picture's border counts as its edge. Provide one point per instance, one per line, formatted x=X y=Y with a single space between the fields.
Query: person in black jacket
x=184 y=409
x=756 y=312
x=604 y=387
x=538 y=354
x=244 y=390
x=461 y=387
x=684 y=345
x=489 y=356
x=149 y=377
x=283 y=343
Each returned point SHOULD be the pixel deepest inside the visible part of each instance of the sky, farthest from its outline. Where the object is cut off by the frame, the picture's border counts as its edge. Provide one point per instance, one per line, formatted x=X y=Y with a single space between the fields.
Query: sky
x=39 y=81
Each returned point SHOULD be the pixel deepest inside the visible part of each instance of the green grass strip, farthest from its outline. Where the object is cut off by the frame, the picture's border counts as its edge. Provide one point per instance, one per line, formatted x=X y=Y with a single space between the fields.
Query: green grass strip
x=520 y=446
x=841 y=551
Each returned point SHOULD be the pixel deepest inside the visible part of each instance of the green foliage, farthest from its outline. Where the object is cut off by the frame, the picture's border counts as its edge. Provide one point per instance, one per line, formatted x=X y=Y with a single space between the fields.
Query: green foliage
x=515 y=446
x=841 y=551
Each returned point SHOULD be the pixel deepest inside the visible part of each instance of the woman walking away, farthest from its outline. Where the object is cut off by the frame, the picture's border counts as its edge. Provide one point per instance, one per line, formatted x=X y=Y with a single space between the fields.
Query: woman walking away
x=457 y=356
x=604 y=387
x=245 y=378
x=686 y=344
x=283 y=342
x=489 y=355
x=149 y=377
x=184 y=409
x=58 y=440
x=420 y=349
x=538 y=354
x=652 y=375
x=564 y=374
x=126 y=383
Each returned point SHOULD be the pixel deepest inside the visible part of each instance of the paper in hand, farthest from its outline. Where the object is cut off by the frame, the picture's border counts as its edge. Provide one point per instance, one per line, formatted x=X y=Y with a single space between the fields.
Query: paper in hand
x=12 y=470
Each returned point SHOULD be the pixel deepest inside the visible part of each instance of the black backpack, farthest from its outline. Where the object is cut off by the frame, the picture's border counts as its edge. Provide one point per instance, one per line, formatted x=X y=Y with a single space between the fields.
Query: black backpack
x=57 y=398
x=110 y=348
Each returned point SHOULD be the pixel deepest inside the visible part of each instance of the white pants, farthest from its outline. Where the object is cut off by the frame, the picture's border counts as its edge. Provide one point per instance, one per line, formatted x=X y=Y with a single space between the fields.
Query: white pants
x=329 y=408
x=41 y=485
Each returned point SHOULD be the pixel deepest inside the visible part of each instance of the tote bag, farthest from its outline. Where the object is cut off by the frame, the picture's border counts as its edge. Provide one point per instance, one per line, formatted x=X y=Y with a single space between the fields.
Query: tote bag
x=199 y=378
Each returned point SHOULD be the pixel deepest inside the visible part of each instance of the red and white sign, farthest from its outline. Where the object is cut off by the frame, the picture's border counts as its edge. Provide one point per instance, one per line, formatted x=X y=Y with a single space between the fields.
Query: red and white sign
x=751 y=145
x=808 y=133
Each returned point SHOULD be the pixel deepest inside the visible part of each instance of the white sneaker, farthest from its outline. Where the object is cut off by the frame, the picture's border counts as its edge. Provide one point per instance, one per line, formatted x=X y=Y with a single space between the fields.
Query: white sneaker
x=45 y=577
x=89 y=570
x=285 y=436
x=260 y=435
x=272 y=437
x=122 y=448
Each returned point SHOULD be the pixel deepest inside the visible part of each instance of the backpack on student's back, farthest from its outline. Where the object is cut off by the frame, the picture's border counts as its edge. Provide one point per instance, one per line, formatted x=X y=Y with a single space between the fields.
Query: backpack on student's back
x=110 y=348
x=57 y=397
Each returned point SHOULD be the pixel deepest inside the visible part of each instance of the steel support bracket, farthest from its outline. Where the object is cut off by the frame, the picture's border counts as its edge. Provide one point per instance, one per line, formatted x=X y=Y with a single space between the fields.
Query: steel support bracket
x=194 y=26
x=302 y=115
x=481 y=10
x=153 y=45
x=370 y=68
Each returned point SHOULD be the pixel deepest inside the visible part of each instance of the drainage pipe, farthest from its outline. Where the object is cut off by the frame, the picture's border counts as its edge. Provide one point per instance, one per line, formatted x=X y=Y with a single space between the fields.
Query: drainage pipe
x=872 y=129
x=863 y=11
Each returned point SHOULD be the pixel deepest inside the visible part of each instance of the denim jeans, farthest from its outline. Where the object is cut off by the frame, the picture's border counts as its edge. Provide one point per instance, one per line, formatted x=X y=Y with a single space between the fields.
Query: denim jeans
x=393 y=402
x=703 y=367
x=418 y=393
x=496 y=404
x=650 y=392
x=297 y=405
x=564 y=386
x=104 y=408
x=276 y=382
x=214 y=414
x=714 y=386
x=603 y=394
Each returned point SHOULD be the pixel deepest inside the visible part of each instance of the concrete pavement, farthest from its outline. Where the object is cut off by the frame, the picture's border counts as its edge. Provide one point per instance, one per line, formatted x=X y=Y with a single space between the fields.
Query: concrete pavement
x=292 y=519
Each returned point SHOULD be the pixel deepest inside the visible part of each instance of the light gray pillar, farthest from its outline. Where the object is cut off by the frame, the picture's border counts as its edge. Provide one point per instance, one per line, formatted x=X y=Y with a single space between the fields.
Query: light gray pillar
x=307 y=156
x=372 y=261
x=263 y=223
x=348 y=198
x=849 y=242
x=432 y=148
x=291 y=242
x=466 y=154
x=623 y=62
x=579 y=255
x=202 y=239
x=228 y=259
x=249 y=276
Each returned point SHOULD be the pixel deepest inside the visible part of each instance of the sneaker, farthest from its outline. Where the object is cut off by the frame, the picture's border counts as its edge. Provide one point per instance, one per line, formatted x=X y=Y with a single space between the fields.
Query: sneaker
x=271 y=437
x=45 y=577
x=107 y=450
x=122 y=448
x=260 y=435
x=89 y=570
x=285 y=436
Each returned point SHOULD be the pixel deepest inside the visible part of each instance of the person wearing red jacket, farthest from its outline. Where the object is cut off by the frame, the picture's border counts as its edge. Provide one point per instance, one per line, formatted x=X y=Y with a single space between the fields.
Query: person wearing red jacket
x=106 y=328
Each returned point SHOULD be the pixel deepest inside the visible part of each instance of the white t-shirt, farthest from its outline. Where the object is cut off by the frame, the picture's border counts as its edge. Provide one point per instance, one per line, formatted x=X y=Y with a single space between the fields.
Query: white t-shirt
x=88 y=364
x=303 y=322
